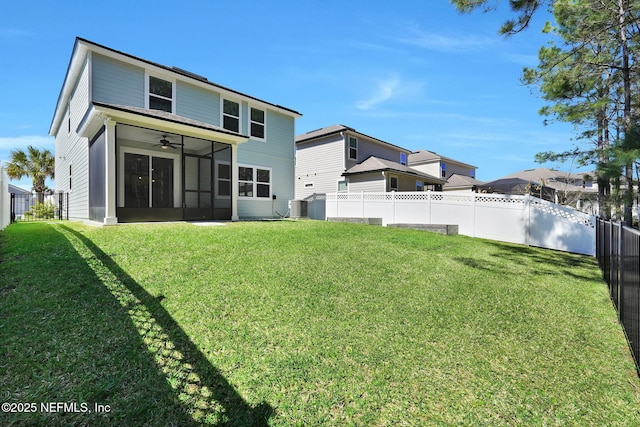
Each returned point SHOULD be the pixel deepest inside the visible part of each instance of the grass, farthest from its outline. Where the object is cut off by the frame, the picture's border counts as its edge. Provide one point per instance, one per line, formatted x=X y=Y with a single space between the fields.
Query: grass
x=305 y=323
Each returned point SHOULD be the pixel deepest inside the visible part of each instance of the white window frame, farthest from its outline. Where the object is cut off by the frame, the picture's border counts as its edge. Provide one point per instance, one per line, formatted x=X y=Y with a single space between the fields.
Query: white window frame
x=346 y=185
x=223 y=114
x=255 y=182
x=147 y=94
x=443 y=169
x=349 y=138
x=264 y=125
x=403 y=159
x=217 y=179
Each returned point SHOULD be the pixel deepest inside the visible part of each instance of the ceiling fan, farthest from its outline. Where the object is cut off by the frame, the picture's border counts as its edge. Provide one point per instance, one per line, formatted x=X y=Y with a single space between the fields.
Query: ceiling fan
x=165 y=143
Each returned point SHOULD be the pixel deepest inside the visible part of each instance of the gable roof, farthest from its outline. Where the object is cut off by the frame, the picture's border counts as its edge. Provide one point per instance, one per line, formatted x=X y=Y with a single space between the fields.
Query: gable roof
x=426 y=156
x=376 y=164
x=558 y=180
x=83 y=46
x=334 y=129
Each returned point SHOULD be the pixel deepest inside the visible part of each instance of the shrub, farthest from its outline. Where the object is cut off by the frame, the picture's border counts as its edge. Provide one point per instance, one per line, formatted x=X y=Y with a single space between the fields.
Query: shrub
x=44 y=210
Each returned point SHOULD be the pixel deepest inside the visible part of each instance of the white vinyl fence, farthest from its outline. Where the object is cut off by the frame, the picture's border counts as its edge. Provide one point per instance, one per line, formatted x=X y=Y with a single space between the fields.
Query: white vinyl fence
x=5 y=199
x=509 y=218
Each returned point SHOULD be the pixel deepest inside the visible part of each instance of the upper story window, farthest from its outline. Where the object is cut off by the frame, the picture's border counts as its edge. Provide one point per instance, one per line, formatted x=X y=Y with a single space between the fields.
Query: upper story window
x=443 y=169
x=231 y=115
x=257 y=123
x=353 y=148
x=403 y=159
x=160 y=94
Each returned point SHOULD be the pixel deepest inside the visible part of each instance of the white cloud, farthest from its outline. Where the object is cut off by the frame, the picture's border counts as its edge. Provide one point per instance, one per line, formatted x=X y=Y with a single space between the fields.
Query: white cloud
x=386 y=89
x=445 y=42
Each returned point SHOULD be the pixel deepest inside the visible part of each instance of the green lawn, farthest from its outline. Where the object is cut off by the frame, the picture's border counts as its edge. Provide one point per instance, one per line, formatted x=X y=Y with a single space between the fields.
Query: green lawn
x=304 y=323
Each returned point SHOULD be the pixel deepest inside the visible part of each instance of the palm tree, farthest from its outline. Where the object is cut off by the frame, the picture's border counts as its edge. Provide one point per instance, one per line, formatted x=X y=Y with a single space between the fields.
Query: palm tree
x=35 y=163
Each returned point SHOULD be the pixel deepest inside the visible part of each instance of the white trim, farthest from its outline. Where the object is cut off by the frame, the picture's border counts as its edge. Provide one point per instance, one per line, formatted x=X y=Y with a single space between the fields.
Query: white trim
x=250 y=121
x=255 y=182
x=177 y=173
x=166 y=78
x=338 y=181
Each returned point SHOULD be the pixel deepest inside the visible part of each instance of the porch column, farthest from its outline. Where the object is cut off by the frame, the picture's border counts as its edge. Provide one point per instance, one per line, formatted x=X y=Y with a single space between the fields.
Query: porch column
x=110 y=172
x=234 y=183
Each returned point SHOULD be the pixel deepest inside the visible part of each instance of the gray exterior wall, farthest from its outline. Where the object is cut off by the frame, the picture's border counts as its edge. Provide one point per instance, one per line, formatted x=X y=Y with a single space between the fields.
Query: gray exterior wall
x=197 y=104
x=72 y=151
x=368 y=148
x=451 y=168
x=277 y=153
x=321 y=163
x=367 y=182
x=116 y=82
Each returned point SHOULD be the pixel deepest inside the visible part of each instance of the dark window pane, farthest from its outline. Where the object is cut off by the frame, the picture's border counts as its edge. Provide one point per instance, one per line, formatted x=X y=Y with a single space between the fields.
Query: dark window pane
x=263 y=190
x=231 y=108
x=353 y=154
x=245 y=174
x=224 y=188
x=159 y=104
x=160 y=87
x=224 y=171
x=257 y=115
x=263 y=175
x=245 y=189
x=231 y=123
x=257 y=130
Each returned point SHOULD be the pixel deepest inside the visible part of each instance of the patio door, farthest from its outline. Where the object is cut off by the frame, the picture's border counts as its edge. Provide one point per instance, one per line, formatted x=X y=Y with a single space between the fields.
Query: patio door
x=148 y=181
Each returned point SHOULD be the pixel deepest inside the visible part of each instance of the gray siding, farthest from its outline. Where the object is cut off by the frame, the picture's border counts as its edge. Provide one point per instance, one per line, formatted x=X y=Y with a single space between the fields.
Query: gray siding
x=116 y=82
x=198 y=104
x=368 y=148
x=277 y=153
x=72 y=151
x=370 y=182
x=320 y=162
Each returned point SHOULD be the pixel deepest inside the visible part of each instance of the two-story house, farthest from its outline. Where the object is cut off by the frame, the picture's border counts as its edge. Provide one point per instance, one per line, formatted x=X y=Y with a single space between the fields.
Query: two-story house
x=339 y=158
x=460 y=176
x=140 y=141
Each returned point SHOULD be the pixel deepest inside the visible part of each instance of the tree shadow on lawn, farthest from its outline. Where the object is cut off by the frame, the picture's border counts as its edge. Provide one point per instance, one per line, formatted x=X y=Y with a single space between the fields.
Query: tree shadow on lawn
x=546 y=261
x=193 y=386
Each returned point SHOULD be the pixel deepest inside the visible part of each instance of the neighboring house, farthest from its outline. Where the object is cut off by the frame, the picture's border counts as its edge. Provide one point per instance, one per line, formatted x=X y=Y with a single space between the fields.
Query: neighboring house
x=339 y=158
x=460 y=176
x=576 y=190
x=140 y=141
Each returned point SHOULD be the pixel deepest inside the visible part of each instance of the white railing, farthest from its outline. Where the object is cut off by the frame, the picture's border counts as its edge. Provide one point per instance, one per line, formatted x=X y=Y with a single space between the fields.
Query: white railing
x=516 y=219
x=5 y=199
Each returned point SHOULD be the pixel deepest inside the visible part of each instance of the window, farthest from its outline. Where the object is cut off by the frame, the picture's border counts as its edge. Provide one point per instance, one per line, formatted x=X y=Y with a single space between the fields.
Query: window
x=308 y=185
x=257 y=123
x=443 y=170
x=403 y=159
x=343 y=185
x=393 y=183
x=353 y=148
x=254 y=182
x=223 y=179
x=69 y=177
x=419 y=185
x=160 y=94
x=230 y=115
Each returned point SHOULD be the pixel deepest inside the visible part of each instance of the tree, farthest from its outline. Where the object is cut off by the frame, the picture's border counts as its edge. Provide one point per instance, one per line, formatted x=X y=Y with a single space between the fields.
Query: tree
x=34 y=163
x=590 y=77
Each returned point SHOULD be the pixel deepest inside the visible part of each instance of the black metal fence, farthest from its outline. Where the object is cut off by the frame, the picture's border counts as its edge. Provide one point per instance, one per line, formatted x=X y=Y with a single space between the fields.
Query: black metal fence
x=618 y=252
x=31 y=207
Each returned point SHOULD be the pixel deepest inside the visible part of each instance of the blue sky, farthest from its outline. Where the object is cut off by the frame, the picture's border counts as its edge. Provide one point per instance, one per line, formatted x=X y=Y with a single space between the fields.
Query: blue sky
x=414 y=73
